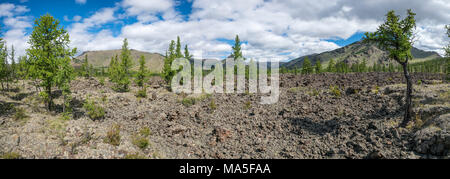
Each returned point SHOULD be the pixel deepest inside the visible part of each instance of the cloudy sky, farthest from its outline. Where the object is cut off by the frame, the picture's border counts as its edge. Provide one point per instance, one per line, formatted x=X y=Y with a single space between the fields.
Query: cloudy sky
x=281 y=29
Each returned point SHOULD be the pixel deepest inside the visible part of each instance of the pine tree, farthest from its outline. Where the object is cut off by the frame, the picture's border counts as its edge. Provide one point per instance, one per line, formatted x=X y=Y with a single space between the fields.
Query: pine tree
x=318 y=67
x=395 y=36
x=49 y=50
x=306 y=66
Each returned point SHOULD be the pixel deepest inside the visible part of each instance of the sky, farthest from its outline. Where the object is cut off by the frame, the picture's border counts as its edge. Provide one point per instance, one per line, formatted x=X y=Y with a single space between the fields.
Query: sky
x=269 y=29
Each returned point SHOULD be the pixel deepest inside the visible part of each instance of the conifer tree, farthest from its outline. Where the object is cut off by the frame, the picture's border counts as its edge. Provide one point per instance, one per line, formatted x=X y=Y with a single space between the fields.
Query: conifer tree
x=306 y=66
x=318 y=67
x=178 y=53
x=168 y=59
x=447 y=49
x=142 y=73
x=121 y=70
x=64 y=76
x=331 y=66
x=3 y=63
x=49 y=48
x=187 y=55
x=237 y=48
x=396 y=37
x=13 y=67
x=85 y=67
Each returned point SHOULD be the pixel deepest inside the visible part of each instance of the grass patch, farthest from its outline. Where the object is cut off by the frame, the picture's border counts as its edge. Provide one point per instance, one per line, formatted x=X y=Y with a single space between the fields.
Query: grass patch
x=134 y=156
x=113 y=135
x=145 y=131
x=10 y=155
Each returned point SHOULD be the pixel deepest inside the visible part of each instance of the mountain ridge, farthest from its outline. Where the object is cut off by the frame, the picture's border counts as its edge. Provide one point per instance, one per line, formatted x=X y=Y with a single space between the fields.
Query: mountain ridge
x=358 y=51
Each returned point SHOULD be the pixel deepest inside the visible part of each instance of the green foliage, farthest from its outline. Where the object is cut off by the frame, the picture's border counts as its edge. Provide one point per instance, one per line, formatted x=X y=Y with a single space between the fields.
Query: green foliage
x=93 y=110
x=20 y=114
x=145 y=131
x=331 y=66
x=318 y=67
x=237 y=53
x=141 y=142
x=85 y=68
x=113 y=135
x=447 y=48
x=306 y=67
x=188 y=101
x=335 y=91
x=142 y=73
x=142 y=93
x=49 y=51
x=119 y=72
x=10 y=155
x=212 y=105
x=168 y=73
x=187 y=55
x=247 y=105
x=395 y=36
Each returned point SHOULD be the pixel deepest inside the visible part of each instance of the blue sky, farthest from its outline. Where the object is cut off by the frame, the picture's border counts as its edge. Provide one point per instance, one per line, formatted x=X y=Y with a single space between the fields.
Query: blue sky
x=268 y=28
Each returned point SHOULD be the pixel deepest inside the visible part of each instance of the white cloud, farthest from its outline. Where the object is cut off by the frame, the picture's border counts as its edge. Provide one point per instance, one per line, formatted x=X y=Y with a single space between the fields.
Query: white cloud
x=80 y=1
x=283 y=29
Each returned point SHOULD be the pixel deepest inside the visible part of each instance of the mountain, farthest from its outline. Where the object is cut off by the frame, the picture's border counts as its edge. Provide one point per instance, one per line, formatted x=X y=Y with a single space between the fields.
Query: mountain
x=98 y=59
x=357 y=52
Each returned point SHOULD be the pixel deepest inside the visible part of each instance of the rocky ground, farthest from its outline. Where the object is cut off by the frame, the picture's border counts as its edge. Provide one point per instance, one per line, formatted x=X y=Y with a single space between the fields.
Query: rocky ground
x=317 y=116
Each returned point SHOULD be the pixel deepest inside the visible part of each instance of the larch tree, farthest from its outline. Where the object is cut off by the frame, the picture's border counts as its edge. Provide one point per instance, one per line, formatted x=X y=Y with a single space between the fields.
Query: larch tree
x=396 y=36
x=13 y=67
x=331 y=66
x=187 y=55
x=318 y=67
x=3 y=63
x=306 y=66
x=49 y=51
x=142 y=73
x=237 y=53
x=447 y=49
x=168 y=73
x=85 y=72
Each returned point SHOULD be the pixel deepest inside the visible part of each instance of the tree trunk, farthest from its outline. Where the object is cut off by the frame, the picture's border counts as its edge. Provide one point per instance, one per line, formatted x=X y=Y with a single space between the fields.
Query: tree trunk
x=408 y=107
x=49 y=93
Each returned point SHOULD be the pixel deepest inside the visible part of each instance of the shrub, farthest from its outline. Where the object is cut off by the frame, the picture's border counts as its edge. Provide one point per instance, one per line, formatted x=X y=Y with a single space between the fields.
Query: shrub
x=335 y=91
x=20 y=114
x=93 y=110
x=247 y=105
x=419 y=82
x=142 y=93
x=141 y=142
x=113 y=135
x=145 y=131
x=212 y=105
x=188 y=101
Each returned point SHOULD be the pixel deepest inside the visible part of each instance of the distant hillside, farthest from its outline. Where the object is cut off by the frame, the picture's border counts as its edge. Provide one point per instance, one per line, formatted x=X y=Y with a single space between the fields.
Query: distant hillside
x=357 y=52
x=154 y=61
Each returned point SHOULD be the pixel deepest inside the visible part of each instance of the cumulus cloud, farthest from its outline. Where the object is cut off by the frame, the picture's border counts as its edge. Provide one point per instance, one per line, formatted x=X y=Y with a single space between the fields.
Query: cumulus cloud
x=282 y=29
